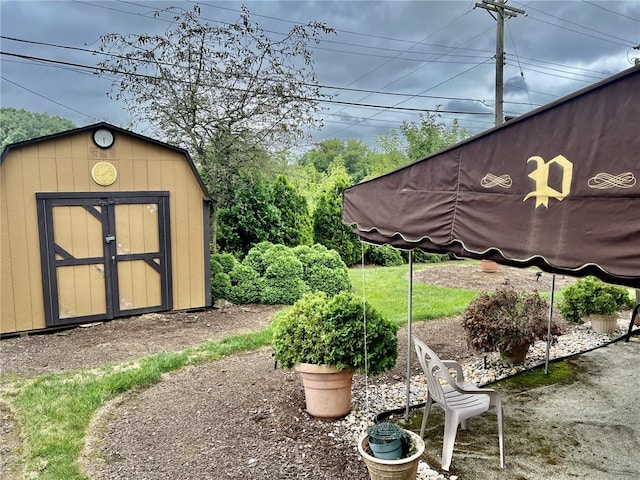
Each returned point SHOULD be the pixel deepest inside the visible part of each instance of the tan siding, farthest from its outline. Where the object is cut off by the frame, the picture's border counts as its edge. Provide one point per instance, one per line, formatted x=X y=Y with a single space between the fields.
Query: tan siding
x=7 y=303
x=64 y=165
x=17 y=232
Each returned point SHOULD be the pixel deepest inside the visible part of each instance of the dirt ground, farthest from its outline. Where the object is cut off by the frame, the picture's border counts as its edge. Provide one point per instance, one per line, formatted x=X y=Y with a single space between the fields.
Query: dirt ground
x=238 y=417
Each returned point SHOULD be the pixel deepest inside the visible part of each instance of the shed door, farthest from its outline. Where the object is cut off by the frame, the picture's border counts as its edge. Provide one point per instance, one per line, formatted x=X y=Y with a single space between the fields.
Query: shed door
x=104 y=257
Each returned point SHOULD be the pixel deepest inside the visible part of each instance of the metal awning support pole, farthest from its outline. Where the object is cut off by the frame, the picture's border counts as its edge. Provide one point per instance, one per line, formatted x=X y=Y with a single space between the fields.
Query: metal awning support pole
x=553 y=288
x=409 y=315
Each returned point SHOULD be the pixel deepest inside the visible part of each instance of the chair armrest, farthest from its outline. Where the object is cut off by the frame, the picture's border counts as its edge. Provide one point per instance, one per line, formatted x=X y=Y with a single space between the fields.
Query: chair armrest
x=455 y=366
x=493 y=394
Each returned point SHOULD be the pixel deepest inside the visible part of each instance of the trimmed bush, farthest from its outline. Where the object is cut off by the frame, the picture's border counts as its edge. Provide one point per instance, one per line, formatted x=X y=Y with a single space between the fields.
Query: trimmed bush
x=226 y=260
x=220 y=287
x=323 y=269
x=591 y=296
x=384 y=255
x=246 y=285
x=419 y=256
x=282 y=280
x=220 y=283
x=326 y=330
x=255 y=257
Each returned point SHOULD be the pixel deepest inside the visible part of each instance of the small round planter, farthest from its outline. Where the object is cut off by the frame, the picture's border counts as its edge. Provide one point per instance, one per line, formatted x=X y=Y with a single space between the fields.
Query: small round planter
x=327 y=391
x=603 y=323
x=401 y=469
x=387 y=451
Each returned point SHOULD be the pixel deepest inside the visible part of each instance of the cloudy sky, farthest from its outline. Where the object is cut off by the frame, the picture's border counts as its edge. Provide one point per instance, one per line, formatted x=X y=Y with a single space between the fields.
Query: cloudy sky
x=387 y=61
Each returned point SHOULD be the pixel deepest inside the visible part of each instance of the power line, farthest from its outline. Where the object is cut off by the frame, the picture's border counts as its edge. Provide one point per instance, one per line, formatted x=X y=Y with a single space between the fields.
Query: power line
x=319 y=100
x=47 y=98
x=611 y=11
x=328 y=87
x=581 y=33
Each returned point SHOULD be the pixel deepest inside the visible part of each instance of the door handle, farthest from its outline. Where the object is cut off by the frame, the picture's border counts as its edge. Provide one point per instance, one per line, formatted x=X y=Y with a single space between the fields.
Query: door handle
x=109 y=238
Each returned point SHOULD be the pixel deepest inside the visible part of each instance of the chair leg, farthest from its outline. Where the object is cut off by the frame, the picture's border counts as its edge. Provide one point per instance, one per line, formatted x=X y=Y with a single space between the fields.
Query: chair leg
x=425 y=415
x=500 y=433
x=450 y=429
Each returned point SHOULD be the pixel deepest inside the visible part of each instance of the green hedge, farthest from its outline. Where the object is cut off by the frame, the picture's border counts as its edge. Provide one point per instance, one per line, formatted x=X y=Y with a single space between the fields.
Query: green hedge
x=276 y=274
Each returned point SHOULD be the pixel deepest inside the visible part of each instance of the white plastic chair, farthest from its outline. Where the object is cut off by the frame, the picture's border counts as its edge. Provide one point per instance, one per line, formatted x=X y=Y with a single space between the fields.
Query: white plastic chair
x=460 y=400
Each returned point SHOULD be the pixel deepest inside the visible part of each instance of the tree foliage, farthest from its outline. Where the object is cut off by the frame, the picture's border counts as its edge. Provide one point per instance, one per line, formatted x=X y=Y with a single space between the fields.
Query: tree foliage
x=250 y=218
x=429 y=136
x=261 y=211
x=225 y=92
x=19 y=125
x=294 y=214
x=328 y=228
x=415 y=140
x=356 y=157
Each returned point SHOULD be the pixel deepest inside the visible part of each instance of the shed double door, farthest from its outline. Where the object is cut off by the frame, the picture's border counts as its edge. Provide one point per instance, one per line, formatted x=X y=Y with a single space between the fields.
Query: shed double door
x=104 y=256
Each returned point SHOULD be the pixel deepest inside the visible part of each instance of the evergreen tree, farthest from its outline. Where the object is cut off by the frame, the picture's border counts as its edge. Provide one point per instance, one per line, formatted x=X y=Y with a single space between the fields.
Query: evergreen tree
x=294 y=214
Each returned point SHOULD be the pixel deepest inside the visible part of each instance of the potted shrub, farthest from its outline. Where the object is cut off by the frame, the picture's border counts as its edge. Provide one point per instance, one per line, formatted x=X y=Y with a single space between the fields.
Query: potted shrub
x=404 y=465
x=323 y=338
x=506 y=321
x=590 y=298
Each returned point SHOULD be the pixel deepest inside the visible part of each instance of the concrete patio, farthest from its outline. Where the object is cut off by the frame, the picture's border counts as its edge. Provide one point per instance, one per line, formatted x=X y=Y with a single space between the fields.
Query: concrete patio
x=588 y=428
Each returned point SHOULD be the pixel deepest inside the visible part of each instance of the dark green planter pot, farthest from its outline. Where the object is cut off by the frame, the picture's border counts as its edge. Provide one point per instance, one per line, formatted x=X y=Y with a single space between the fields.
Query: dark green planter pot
x=387 y=451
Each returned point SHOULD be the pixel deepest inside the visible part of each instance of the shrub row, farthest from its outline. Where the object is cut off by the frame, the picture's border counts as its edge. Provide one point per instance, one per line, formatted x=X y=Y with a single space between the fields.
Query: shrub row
x=275 y=274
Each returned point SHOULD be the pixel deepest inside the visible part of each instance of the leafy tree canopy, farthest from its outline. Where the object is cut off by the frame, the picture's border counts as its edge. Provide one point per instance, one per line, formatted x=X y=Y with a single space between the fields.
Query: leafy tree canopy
x=19 y=125
x=354 y=154
x=416 y=140
x=222 y=91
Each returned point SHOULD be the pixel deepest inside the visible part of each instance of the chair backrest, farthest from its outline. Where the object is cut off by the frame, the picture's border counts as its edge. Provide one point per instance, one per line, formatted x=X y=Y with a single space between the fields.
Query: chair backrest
x=434 y=370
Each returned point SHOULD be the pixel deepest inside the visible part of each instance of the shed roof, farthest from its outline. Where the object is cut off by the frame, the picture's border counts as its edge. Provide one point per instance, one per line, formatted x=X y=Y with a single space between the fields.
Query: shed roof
x=95 y=126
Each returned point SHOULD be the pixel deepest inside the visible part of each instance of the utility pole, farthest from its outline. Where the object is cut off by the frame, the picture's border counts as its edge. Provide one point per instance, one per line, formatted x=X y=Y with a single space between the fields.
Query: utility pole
x=502 y=11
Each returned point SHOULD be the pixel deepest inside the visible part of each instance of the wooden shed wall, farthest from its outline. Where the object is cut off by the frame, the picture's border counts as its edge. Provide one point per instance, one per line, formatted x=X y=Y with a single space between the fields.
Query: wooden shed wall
x=63 y=164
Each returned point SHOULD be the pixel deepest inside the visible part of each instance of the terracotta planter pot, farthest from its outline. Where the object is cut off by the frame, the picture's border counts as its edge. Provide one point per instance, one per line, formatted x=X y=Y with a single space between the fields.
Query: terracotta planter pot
x=327 y=391
x=603 y=323
x=402 y=469
x=488 y=266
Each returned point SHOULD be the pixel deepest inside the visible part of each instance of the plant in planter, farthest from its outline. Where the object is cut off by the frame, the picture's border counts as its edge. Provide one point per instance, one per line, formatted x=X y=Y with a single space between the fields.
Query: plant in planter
x=506 y=321
x=596 y=300
x=386 y=462
x=326 y=336
x=388 y=441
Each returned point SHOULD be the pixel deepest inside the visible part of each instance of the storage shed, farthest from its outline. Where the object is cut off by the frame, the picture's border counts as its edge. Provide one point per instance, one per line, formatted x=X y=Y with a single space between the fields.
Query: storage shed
x=97 y=223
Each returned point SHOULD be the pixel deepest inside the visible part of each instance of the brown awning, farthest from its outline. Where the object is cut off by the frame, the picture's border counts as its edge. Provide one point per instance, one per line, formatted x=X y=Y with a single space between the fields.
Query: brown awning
x=558 y=188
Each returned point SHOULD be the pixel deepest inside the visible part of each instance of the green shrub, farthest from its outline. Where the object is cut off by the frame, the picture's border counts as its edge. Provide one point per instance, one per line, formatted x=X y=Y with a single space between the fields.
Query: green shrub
x=246 y=285
x=331 y=331
x=255 y=257
x=384 y=255
x=226 y=260
x=220 y=286
x=220 y=283
x=323 y=269
x=418 y=256
x=282 y=281
x=275 y=274
x=591 y=296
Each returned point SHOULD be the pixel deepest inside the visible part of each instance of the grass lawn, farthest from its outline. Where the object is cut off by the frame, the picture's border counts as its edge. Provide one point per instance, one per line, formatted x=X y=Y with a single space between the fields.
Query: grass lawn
x=386 y=288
